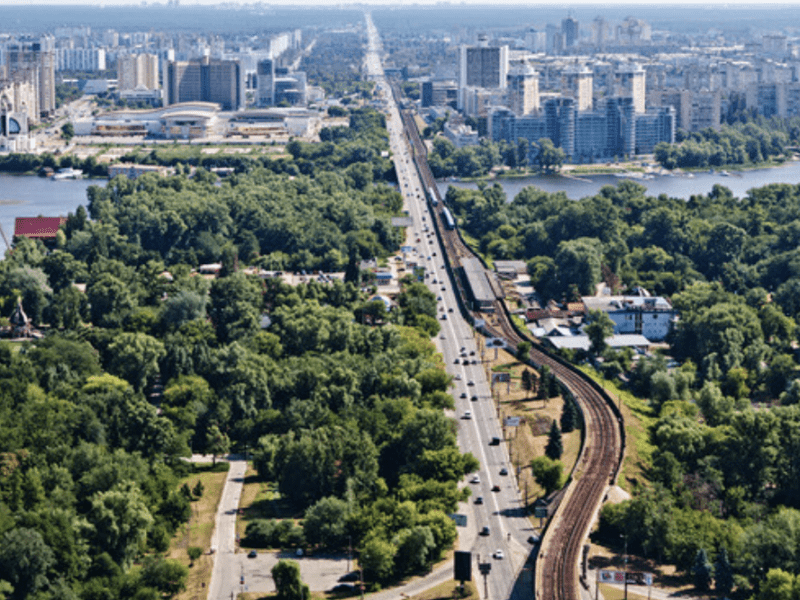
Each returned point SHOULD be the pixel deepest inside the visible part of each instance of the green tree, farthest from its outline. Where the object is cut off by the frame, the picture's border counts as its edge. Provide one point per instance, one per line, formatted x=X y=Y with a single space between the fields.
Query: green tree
x=550 y=158
x=67 y=131
x=723 y=573
x=415 y=547
x=121 y=519
x=547 y=473
x=217 y=443
x=599 y=327
x=779 y=585
x=25 y=560
x=523 y=350
x=288 y=584
x=165 y=575
x=377 y=560
x=136 y=357
x=194 y=552
x=528 y=382
x=702 y=571
x=555 y=446
x=325 y=523
x=569 y=414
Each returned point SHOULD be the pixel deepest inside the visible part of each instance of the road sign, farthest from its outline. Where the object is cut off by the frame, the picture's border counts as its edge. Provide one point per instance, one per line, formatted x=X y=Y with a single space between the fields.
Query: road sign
x=540 y=512
x=485 y=568
x=501 y=377
x=495 y=343
x=512 y=421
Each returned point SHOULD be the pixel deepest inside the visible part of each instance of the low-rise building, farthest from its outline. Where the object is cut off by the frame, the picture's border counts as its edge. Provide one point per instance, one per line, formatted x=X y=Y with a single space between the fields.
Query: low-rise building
x=651 y=317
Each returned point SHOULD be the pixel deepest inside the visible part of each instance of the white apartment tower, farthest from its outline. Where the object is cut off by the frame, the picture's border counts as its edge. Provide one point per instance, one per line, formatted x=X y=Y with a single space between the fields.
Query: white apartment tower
x=137 y=71
x=523 y=90
x=631 y=84
x=578 y=83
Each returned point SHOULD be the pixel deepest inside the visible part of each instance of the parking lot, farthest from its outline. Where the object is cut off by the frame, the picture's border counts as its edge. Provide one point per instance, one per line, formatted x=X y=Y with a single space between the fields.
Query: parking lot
x=321 y=572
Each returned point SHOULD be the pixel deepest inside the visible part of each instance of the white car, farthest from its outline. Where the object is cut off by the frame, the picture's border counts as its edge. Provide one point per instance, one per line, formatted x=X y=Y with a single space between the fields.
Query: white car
x=498 y=554
x=457 y=377
x=475 y=479
x=468 y=414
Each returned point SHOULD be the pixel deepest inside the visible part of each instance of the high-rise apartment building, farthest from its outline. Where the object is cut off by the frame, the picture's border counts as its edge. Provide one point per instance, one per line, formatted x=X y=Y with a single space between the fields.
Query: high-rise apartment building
x=577 y=82
x=205 y=80
x=35 y=60
x=630 y=80
x=522 y=90
x=80 y=59
x=137 y=71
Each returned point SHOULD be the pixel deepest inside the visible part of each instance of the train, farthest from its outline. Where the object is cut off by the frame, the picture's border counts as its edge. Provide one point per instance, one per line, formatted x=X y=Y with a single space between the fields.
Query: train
x=432 y=195
x=449 y=223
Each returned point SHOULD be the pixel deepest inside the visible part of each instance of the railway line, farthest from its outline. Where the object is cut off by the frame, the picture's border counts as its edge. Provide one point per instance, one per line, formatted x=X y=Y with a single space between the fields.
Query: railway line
x=557 y=567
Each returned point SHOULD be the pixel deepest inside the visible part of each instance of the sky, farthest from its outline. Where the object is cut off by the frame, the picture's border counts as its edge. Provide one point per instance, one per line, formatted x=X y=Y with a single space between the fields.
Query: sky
x=712 y=4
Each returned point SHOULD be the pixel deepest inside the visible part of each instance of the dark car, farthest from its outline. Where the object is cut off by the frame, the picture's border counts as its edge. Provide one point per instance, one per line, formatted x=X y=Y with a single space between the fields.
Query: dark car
x=495 y=488
x=485 y=530
x=344 y=589
x=474 y=398
x=503 y=471
x=449 y=310
x=495 y=441
x=252 y=554
x=351 y=576
x=479 y=500
x=463 y=395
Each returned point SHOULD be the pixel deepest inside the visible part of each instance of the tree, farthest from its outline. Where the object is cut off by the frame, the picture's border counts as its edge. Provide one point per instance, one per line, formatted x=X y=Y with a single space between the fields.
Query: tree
x=547 y=473
x=600 y=326
x=555 y=446
x=165 y=575
x=67 y=131
x=569 y=414
x=217 y=443
x=194 y=552
x=702 y=571
x=121 y=519
x=288 y=585
x=550 y=158
x=523 y=350
x=528 y=381
x=24 y=561
x=723 y=573
x=135 y=358
x=325 y=523
x=415 y=548
x=377 y=559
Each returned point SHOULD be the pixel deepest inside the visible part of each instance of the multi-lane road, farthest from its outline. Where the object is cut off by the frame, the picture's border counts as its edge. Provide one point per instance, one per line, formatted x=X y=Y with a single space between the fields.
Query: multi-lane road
x=495 y=511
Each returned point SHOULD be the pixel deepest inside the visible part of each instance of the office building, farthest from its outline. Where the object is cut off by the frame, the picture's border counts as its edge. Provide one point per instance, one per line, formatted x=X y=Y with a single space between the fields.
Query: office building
x=205 y=80
x=439 y=93
x=265 y=72
x=137 y=71
x=601 y=33
x=570 y=33
x=654 y=127
x=483 y=67
x=536 y=40
x=522 y=90
x=577 y=83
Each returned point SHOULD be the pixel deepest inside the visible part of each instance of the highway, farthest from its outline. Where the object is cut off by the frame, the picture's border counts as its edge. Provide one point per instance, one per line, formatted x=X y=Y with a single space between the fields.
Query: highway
x=500 y=510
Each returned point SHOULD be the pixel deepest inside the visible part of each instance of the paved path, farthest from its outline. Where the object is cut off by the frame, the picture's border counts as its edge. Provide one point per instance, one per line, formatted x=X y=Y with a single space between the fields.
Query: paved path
x=225 y=582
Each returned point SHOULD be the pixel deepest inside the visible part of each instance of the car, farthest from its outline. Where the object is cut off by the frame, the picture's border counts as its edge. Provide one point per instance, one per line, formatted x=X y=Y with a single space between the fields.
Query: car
x=474 y=362
x=475 y=479
x=449 y=310
x=343 y=588
x=485 y=530
x=463 y=349
x=474 y=399
x=495 y=488
x=442 y=337
x=470 y=382
x=252 y=554
x=439 y=298
x=444 y=288
x=456 y=361
x=434 y=280
x=495 y=441
x=465 y=361
x=457 y=377
x=533 y=539
x=498 y=554
x=351 y=576
x=472 y=352
x=503 y=471
x=467 y=414
x=463 y=395
x=444 y=317
x=479 y=500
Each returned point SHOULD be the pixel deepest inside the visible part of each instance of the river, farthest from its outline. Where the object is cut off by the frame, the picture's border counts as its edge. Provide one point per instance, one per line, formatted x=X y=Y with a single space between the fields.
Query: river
x=677 y=186
x=31 y=196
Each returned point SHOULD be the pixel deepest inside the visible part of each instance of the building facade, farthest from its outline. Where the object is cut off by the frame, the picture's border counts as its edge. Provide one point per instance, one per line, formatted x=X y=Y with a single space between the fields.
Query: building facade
x=205 y=80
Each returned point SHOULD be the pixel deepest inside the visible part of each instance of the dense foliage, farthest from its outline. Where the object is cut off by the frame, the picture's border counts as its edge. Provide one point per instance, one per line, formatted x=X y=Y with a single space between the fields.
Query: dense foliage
x=344 y=414
x=738 y=144
x=723 y=466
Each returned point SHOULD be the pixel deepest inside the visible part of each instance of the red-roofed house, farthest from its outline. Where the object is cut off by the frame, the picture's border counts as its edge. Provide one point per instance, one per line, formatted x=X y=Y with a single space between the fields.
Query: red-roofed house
x=41 y=228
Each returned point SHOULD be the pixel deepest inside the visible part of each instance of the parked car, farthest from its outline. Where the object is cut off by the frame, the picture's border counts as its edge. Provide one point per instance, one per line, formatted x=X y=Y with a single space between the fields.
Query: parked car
x=485 y=530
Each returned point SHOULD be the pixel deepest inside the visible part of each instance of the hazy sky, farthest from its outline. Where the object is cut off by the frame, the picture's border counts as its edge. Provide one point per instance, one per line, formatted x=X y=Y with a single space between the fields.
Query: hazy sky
x=718 y=4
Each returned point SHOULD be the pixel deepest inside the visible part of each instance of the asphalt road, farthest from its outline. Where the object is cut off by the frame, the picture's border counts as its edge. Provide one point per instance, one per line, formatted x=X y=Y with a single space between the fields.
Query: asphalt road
x=501 y=510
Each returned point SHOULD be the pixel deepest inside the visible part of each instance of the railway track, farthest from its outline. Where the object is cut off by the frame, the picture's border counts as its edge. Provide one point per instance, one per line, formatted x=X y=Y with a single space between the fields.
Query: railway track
x=557 y=568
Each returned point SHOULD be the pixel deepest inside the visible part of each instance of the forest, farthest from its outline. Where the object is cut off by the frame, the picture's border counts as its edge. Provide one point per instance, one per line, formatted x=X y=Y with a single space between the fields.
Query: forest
x=153 y=362
x=723 y=435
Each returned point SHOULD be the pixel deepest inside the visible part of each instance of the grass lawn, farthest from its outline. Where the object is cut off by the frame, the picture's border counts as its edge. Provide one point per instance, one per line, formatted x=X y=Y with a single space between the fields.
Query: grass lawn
x=536 y=416
x=444 y=591
x=259 y=500
x=197 y=532
x=611 y=592
x=639 y=418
